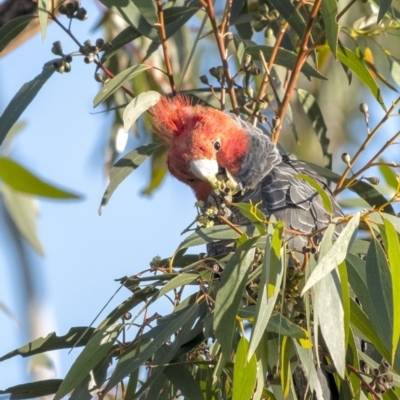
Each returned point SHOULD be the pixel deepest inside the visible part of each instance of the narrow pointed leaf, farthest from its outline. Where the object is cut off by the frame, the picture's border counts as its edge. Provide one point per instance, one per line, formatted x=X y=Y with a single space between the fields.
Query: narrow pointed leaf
x=22 y=99
x=183 y=380
x=218 y=232
x=393 y=252
x=335 y=255
x=95 y=351
x=124 y=167
x=13 y=28
x=131 y=360
x=53 y=342
x=314 y=113
x=380 y=290
x=19 y=178
x=115 y=83
x=388 y=174
x=147 y=10
x=348 y=58
x=270 y=286
x=285 y=365
x=285 y=58
x=33 y=389
x=244 y=372
x=233 y=282
x=138 y=106
x=344 y=284
x=384 y=7
x=23 y=211
x=329 y=10
x=326 y=201
x=43 y=6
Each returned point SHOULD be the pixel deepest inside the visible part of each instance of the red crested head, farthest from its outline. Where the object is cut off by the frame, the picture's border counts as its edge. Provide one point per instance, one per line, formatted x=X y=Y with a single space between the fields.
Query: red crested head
x=198 y=135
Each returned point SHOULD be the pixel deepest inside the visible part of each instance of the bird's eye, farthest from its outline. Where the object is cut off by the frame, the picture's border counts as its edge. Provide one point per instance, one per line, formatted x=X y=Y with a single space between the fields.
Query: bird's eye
x=217 y=145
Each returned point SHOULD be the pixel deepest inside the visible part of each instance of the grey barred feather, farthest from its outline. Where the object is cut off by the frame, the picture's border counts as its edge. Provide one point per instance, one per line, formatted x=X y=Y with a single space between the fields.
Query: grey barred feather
x=269 y=177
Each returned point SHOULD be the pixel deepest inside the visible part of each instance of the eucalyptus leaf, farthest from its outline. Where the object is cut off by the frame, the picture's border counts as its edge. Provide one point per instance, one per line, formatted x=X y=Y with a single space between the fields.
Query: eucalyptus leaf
x=285 y=58
x=20 y=179
x=138 y=106
x=13 y=28
x=335 y=255
x=329 y=10
x=43 y=6
x=33 y=389
x=183 y=380
x=23 y=211
x=53 y=342
x=124 y=167
x=348 y=58
x=244 y=372
x=384 y=7
x=115 y=83
x=95 y=350
x=22 y=99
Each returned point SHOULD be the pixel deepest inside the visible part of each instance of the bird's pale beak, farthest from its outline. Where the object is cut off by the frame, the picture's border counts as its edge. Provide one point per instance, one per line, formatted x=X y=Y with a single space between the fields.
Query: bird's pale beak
x=205 y=169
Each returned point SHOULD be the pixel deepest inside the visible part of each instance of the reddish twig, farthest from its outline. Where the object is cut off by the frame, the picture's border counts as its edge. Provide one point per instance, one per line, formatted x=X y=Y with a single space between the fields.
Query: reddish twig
x=163 y=37
x=301 y=59
x=363 y=381
x=219 y=36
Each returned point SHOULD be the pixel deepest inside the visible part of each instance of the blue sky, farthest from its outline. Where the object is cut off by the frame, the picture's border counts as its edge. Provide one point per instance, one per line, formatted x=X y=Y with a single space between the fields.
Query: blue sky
x=63 y=144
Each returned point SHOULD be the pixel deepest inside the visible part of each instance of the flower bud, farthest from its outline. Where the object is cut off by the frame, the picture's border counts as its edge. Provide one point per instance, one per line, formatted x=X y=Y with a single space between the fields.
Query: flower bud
x=246 y=63
x=81 y=14
x=88 y=43
x=269 y=97
x=249 y=91
x=263 y=8
x=107 y=46
x=373 y=180
x=269 y=33
x=68 y=58
x=254 y=71
x=274 y=14
x=70 y=9
x=67 y=66
x=100 y=43
x=346 y=158
x=57 y=48
x=204 y=79
x=62 y=9
x=89 y=59
x=84 y=50
x=99 y=78
x=364 y=108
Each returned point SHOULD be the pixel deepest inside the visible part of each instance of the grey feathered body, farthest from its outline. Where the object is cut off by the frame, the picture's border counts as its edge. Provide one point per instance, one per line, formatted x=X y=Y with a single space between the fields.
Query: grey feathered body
x=267 y=176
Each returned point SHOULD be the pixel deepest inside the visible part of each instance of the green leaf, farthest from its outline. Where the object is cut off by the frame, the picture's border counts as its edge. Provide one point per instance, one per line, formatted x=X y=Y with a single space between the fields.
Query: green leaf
x=313 y=112
x=43 y=6
x=380 y=289
x=394 y=70
x=183 y=380
x=96 y=349
x=344 y=285
x=335 y=255
x=33 y=389
x=389 y=175
x=132 y=16
x=148 y=10
x=228 y=298
x=329 y=10
x=361 y=322
x=22 y=99
x=124 y=167
x=269 y=287
x=138 y=106
x=384 y=7
x=115 y=83
x=326 y=201
x=285 y=58
x=130 y=360
x=13 y=28
x=217 y=232
x=328 y=308
x=291 y=15
x=182 y=279
x=23 y=211
x=19 y=178
x=348 y=58
x=244 y=372
x=53 y=342
x=285 y=365
x=393 y=251
x=158 y=170
x=365 y=190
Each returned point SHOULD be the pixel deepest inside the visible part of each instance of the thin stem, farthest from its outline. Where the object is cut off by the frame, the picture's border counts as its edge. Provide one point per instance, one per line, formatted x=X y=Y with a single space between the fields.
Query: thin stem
x=219 y=36
x=341 y=13
x=163 y=37
x=371 y=161
x=363 y=146
x=301 y=59
x=363 y=381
